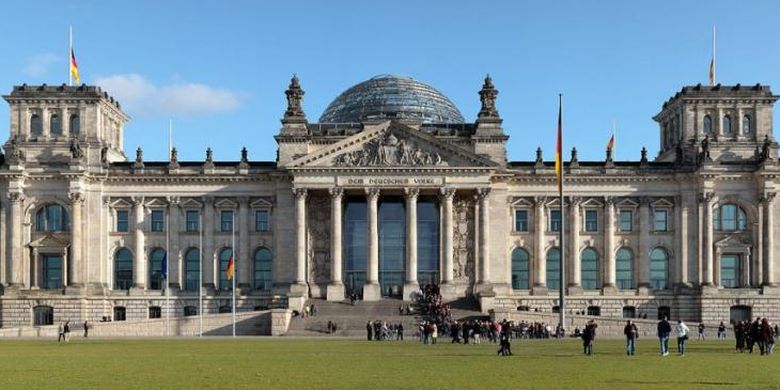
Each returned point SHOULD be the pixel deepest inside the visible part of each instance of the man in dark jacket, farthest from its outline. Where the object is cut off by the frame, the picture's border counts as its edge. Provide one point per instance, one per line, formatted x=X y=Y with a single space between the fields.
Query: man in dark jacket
x=631 y=333
x=664 y=329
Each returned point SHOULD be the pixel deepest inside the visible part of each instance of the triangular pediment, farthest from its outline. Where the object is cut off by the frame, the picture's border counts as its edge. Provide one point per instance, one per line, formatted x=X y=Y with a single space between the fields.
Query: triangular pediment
x=156 y=203
x=260 y=203
x=120 y=203
x=389 y=145
x=49 y=241
x=733 y=241
x=191 y=203
x=225 y=204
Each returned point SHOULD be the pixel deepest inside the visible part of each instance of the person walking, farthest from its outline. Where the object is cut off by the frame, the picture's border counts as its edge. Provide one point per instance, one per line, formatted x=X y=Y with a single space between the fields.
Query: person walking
x=67 y=331
x=86 y=329
x=631 y=333
x=663 y=332
x=682 y=337
x=588 y=336
x=61 y=332
x=369 y=331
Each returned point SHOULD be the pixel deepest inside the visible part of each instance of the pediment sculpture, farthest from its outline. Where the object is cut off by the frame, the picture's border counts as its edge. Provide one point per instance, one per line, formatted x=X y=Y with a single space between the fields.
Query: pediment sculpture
x=388 y=150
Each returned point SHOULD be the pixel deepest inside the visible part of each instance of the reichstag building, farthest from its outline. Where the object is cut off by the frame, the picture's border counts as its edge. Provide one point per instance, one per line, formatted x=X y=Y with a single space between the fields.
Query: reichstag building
x=391 y=189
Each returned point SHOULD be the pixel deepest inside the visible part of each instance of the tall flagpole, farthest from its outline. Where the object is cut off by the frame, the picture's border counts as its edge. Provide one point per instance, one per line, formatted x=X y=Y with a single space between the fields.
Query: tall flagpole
x=712 y=61
x=167 y=268
x=233 y=277
x=170 y=137
x=562 y=236
x=200 y=271
x=69 y=57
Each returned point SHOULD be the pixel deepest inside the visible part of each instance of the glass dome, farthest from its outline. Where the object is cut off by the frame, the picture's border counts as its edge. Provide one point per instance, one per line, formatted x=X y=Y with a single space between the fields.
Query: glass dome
x=391 y=97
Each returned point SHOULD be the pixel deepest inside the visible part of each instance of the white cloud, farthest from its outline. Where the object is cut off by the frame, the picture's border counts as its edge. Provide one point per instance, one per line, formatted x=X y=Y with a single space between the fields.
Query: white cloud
x=140 y=97
x=39 y=64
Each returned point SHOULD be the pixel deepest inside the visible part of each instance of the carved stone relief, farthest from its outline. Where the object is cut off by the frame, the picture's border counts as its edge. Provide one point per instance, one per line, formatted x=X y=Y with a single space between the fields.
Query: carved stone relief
x=388 y=150
x=463 y=238
x=318 y=224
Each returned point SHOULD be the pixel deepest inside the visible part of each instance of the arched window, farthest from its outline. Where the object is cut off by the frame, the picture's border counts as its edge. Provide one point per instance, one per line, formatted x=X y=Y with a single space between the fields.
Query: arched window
x=263 y=266
x=123 y=269
x=659 y=269
x=746 y=125
x=730 y=217
x=624 y=268
x=55 y=125
x=43 y=315
x=520 y=269
x=156 y=260
x=36 y=125
x=51 y=218
x=707 y=124
x=589 y=263
x=554 y=268
x=192 y=269
x=224 y=259
x=727 y=124
x=75 y=125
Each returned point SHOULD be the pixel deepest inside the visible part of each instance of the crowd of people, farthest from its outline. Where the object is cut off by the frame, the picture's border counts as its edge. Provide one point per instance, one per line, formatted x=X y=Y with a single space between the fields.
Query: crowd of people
x=384 y=331
x=759 y=332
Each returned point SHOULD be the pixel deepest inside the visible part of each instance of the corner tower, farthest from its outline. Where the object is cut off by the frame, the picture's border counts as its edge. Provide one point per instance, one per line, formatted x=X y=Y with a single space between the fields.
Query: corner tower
x=720 y=123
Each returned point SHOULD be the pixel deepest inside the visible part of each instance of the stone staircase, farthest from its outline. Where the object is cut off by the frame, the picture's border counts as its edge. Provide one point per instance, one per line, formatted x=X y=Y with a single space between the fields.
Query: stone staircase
x=351 y=320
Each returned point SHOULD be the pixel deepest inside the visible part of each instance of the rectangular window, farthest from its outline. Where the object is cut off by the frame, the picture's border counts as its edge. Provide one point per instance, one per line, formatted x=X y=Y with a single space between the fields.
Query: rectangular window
x=555 y=220
x=52 y=272
x=660 y=221
x=155 y=312
x=158 y=220
x=192 y=221
x=521 y=220
x=626 y=221
x=729 y=271
x=226 y=221
x=262 y=220
x=591 y=220
x=122 y=221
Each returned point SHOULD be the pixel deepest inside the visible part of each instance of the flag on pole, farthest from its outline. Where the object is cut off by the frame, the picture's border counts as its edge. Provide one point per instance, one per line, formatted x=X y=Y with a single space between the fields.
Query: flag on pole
x=74 y=67
x=559 y=146
x=230 y=267
x=712 y=60
x=611 y=143
x=165 y=266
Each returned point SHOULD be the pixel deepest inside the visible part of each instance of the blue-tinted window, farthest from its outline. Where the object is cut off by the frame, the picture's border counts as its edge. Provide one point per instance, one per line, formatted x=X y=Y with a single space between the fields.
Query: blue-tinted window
x=659 y=269
x=521 y=220
x=555 y=220
x=123 y=269
x=553 y=268
x=589 y=267
x=263 y=266
x=262 y=219
x=51 y=218
x=392 y=245
x=355 y=245
x=729 y=271
x=427 y=241
x=156 y=264
x=192 y=221
x=591 y=221
x=624 y=268
x=226 y=221
x=660 y=221
x=626 y=221
x=122 y=221
x=192 y=269
x=158 y=220
x=520 y=269
x=52 y=272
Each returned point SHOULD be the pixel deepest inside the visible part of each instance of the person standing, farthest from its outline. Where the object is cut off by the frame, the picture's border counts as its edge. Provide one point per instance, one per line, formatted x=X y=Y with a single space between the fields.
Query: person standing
x=588 y=336
x=701 y=331
x=86 y=329
x=721 y=331
x=434 y=333
x=67 y=331
x=682 y=337
x=61 y=332
x=631 y=333
x=664 y=330
x=369 y=331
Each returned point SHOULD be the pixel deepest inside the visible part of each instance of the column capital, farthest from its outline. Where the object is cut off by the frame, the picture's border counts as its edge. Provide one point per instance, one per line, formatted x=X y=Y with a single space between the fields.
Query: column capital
x=76 y=198
x=372 y=193
x=483 y=192
x=609 y=201
x=138 y=201
x=173 y=200
x=447 y=194
x=575 y=201
x=706 y=197
x=16 y=197
x=766 y=198
x=300 y=193
x=336 y=192
x=411 y=193
x=540 y=201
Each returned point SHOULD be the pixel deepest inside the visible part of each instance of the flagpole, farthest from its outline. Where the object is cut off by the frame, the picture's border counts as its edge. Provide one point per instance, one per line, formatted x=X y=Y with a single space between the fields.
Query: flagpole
x=562 y=286
x=233 y=277
x=712 y=63
x=170 y=137
x=70 y=50
x=200 y=271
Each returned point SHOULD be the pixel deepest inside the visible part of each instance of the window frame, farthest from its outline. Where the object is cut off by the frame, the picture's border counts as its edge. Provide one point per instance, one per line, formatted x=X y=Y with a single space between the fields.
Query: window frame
x=227 y=226
x=517 y=220
x=554 y=225
x=259 y=272
x=524 y=283
x=630 y=213
x=257 y=213
x=706 y=124
x=597 y=279
x=157 y=226
x=586 y=224
x=188 y=224
x=746 y=127
x=43 y=219
x=117 y=220
x=665 y=211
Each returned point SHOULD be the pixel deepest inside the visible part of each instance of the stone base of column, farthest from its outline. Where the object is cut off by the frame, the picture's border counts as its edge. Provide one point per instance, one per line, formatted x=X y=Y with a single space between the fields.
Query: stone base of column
x=410 y=289
x=137 y=289
x=76 y=289
x=683 y=288
x=448 y=291
x=709 y=289
x=643 y=289
x=770 y=289
x=335 y=292
x=299 y=289
x=371 y=292
x=484 y=289
x=574 y=289
x=175 y=287
x=209 y=289
x=609 y=289
x=539 y=290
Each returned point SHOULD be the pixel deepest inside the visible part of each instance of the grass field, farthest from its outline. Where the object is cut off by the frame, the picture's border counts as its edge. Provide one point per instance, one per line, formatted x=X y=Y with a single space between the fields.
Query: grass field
x=351 y=364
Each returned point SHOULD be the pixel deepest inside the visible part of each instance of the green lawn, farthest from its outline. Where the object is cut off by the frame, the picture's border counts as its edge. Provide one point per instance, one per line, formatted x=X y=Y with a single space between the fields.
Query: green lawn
x=352 y=364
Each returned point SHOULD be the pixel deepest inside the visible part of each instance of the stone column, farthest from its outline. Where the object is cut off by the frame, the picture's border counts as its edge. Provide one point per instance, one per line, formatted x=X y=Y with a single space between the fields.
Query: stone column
x=243 y=254
x=447 y=275
x=575 y=222
x=139 y=257
x=609 y=243
x=300 y=235
x=682 y=275
x=15 y=266
x=643 y=257
x=336 y=286
x=484 y=235
x=371 y=291
x=769 y=242
x=411 y=285
x=174 y=259
x=209 y=262
x=540 y=274
x=707 y=199
x=77 y=254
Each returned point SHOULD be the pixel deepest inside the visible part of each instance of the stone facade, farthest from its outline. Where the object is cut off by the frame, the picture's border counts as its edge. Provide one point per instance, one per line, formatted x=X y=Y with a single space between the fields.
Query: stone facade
x=690 y=234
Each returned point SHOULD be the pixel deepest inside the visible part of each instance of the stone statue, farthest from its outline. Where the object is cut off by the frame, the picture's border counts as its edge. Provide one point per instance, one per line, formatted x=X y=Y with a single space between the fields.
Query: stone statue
x=104 y=155
x=209 y=155
x=766 y=149
x=294 y=98
x=75 y=149
x=388 y=150
x=174 y=156
x=244 y=155
x=488 y=98
x=705 y=149
x=139 y=156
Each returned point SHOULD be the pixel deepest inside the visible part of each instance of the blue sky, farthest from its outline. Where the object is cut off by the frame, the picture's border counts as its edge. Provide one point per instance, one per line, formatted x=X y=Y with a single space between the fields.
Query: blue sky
x=219 y=69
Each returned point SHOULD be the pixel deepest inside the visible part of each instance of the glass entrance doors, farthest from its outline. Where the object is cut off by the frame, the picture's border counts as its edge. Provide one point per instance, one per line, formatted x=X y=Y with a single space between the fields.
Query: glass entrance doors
x=392 y=246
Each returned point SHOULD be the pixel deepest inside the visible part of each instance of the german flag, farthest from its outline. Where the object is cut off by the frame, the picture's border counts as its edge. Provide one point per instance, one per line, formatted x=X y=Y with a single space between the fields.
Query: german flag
x=74 y=67
x=230 y=268
x=611 y=143
x=558 y=148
